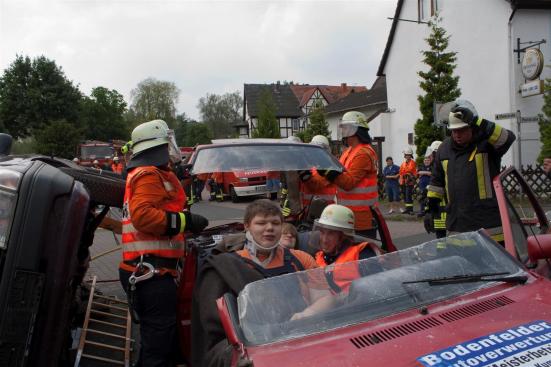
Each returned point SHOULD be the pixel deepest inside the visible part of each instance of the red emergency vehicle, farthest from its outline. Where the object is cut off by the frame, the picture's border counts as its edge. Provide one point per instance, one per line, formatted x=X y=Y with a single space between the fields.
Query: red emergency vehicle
x=103 y=152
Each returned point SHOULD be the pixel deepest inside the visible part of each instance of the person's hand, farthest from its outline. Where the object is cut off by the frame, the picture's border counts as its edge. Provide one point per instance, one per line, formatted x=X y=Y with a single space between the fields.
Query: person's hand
x=329 y=174
x=195 y=222
x=466 y=112
x=304 y=175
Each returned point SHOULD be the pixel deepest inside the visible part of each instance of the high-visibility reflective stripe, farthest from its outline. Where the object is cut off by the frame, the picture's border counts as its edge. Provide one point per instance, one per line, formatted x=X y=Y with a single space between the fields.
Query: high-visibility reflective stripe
x=498 y=237
x=153 y=245
x=496 y=135
x=445 y=168
x=483 y=176
x=480 y=177
x=360 y=190
x=365 y=204
x=435 y=192
x=502 y=138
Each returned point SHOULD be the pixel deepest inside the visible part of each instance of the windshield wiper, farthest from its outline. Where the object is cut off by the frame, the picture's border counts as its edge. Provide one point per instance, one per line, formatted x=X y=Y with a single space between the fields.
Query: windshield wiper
x=471 y=278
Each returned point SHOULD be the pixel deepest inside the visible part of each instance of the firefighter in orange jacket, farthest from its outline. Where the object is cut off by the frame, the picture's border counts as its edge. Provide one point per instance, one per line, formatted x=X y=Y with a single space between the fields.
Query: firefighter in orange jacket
x=336 y=227
x=153 y=224
x=408 y=174
x=357 y=186
x=117 y=166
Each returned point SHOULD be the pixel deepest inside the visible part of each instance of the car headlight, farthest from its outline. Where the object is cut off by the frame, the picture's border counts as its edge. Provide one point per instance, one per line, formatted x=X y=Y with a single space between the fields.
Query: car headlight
x=243 y=179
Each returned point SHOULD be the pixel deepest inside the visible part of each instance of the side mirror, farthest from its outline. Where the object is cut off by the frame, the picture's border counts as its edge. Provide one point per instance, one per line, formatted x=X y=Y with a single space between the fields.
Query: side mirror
x=224 y=304
x=539 y=247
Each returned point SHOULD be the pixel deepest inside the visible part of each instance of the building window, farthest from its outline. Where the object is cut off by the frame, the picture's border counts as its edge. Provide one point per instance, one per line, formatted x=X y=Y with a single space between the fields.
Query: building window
x=410 y=138
x=427 y=9
x=296 y=124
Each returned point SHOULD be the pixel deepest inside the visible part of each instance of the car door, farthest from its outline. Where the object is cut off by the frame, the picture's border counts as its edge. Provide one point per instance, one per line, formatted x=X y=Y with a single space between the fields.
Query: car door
x=522 y=215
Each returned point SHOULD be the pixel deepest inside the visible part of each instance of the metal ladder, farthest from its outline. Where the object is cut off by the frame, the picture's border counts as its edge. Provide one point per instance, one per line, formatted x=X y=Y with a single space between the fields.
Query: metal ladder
x=106 y=333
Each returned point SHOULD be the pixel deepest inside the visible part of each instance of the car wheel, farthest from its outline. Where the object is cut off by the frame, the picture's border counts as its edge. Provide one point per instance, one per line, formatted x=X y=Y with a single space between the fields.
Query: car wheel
x=233 y=195
x=104 y=189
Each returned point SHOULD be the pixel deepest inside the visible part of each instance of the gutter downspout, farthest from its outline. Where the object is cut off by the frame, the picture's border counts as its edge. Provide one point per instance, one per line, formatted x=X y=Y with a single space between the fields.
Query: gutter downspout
x=512 y=87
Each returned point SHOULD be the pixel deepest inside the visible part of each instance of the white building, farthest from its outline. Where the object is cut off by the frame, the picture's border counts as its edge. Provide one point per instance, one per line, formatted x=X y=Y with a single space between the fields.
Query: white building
x=485 y=34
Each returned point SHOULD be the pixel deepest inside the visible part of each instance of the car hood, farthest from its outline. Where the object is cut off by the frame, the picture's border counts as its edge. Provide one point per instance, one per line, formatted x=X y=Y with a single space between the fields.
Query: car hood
x=426 y=338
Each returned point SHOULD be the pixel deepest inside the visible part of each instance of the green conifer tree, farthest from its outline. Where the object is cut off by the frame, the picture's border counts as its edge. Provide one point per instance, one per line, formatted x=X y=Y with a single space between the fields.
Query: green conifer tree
x=268 y=124
x=545 y=123
x=439 y=84
x=317 y=125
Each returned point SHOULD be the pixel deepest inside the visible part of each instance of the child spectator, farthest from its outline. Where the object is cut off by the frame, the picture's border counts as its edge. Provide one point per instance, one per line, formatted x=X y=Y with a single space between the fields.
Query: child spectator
x=289 y=236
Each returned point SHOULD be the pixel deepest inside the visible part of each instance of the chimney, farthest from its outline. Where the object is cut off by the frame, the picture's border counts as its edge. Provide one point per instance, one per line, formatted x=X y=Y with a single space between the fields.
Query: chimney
x=343 y=87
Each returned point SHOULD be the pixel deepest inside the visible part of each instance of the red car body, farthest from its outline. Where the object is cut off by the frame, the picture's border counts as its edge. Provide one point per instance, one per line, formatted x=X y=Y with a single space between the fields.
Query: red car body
x=438 y=333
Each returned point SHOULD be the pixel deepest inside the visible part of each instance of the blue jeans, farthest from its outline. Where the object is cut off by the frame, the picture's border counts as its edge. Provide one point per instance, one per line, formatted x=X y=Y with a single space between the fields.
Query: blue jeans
x=392 y=192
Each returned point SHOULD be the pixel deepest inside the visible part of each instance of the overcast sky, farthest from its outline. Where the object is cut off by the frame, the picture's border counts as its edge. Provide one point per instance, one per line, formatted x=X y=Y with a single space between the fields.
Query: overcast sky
x=201 y=46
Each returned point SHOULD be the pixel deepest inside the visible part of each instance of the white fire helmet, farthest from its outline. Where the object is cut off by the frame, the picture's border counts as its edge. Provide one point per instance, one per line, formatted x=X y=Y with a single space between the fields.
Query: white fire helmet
x=338 y=218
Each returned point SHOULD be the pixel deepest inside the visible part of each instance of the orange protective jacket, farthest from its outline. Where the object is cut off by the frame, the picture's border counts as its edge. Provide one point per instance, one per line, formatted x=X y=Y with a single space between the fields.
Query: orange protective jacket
x=408 y=168
x=117 y=168
x=326 y=193
x=150 y=193
x=342 y=275
x=358 y=183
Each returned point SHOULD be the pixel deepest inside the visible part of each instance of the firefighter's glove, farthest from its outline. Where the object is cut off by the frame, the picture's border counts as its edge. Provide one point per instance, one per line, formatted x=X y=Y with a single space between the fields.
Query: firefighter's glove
x=178 y=222
x=428 y=222
x=465 y=111
x=433 y=205
x=330 y=175
x=285 y=210
x=195 y=222
x=304 y=175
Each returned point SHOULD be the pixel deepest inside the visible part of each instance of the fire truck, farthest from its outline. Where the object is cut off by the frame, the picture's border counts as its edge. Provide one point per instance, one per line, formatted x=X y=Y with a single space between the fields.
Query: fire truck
x=103 y=152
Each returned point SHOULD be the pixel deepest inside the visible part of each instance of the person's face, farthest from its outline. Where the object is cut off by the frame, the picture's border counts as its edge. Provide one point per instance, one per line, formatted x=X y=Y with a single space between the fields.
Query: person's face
x=427 y=160
x=330 y=240
x=462 y=136
x=287 y=240
x=407 y=157
x=265 y=229
x=389 y=162
x=547 y=165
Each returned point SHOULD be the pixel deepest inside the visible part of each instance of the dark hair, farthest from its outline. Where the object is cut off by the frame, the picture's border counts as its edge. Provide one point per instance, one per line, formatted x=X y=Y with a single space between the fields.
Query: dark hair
x=363 y=135
x=387 y=158
x=263 y=207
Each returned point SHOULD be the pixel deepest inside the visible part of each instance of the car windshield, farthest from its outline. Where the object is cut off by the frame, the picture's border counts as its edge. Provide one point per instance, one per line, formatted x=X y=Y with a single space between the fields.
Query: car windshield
x=265 y=156
x=370 y=288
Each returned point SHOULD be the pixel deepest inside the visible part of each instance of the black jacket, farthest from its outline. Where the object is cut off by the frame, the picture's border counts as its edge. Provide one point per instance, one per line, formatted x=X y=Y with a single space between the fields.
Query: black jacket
x=464 y=176
x=219 y=274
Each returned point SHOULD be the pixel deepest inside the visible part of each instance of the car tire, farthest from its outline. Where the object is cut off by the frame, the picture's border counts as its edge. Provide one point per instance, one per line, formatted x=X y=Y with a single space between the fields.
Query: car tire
x=104 y=189
x=233 y=195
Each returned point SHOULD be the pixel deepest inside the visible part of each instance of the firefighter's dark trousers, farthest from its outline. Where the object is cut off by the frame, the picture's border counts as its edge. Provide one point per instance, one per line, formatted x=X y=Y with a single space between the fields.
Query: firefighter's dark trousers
x=155 y=304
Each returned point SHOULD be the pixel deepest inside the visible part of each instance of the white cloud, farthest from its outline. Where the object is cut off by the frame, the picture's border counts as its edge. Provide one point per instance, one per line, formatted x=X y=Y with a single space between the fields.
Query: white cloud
x=204 y=47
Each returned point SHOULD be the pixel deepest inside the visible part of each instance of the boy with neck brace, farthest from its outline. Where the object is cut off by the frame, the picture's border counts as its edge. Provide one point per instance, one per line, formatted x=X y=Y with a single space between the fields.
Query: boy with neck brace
x=263 y=223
